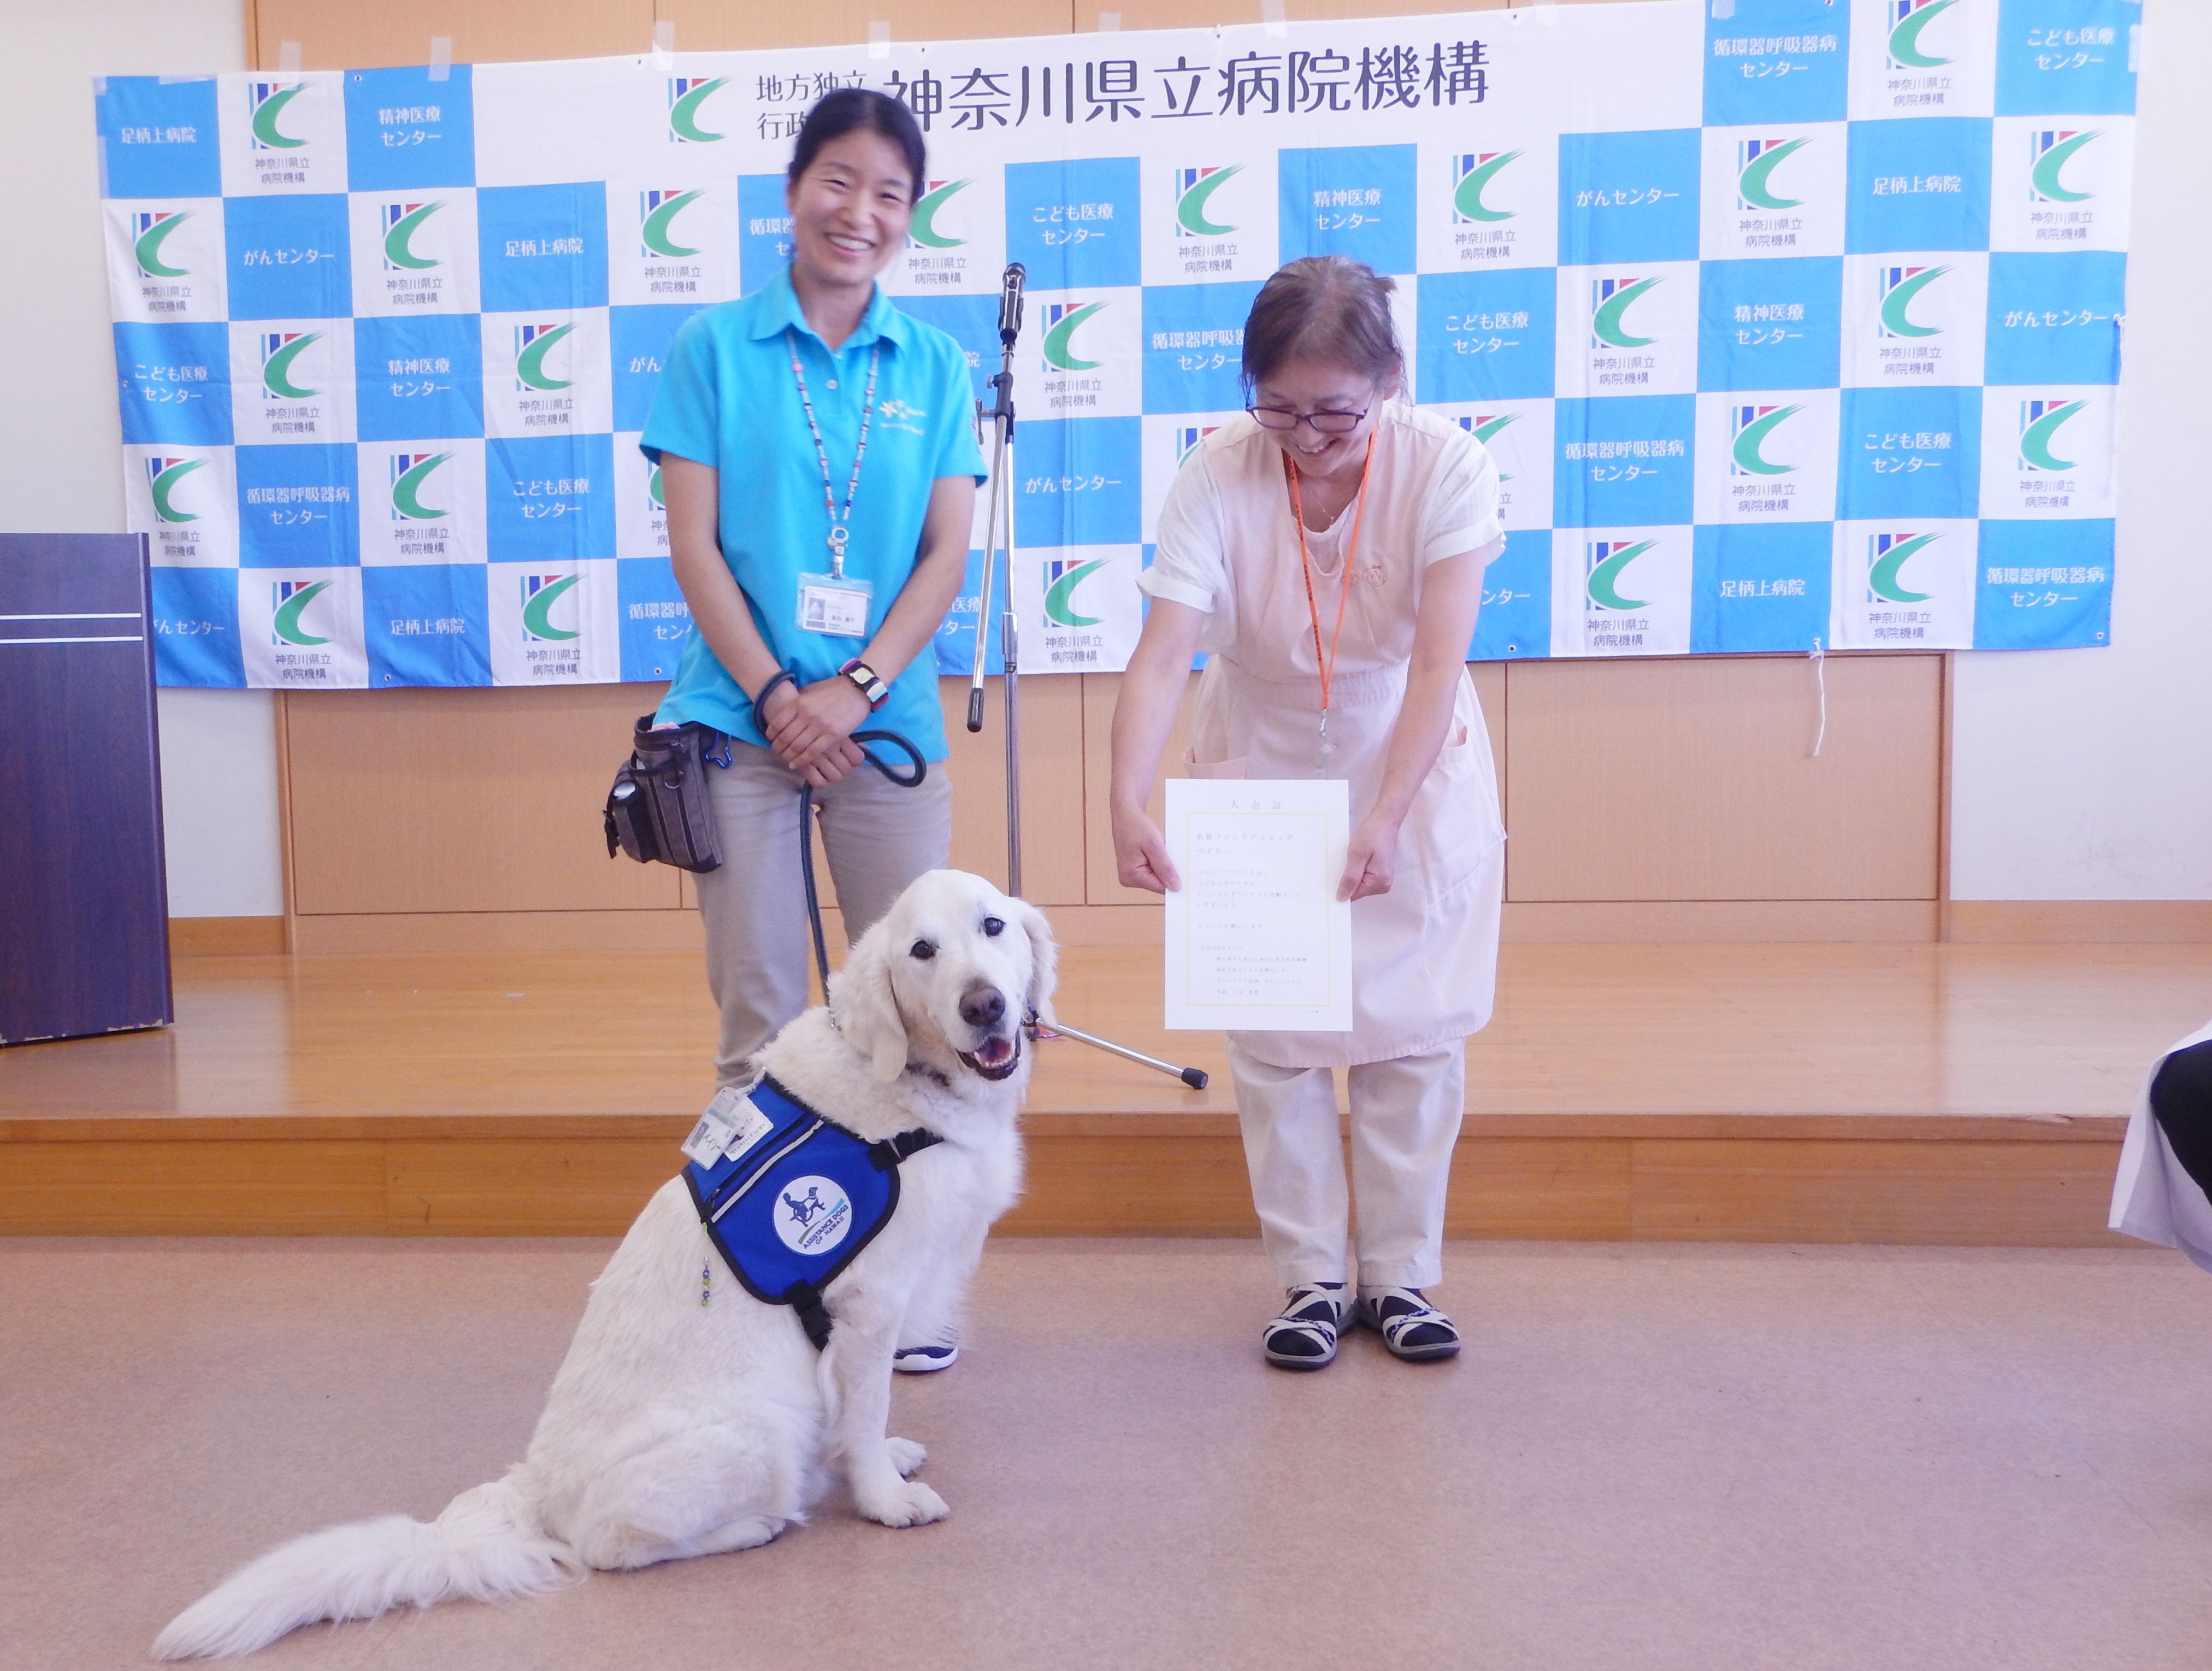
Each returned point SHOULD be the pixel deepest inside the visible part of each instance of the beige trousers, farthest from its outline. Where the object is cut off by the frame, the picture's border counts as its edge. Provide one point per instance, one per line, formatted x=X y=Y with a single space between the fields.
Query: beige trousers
x=1405 y=1119
x=877 y=836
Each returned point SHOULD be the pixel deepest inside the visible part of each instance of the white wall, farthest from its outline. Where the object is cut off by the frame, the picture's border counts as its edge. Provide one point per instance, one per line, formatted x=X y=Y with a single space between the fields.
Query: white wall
x=58 y=427
x=2088 y=774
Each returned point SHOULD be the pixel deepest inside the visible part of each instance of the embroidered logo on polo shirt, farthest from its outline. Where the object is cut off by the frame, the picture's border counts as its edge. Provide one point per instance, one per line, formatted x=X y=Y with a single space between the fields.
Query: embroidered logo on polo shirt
x=901 y=414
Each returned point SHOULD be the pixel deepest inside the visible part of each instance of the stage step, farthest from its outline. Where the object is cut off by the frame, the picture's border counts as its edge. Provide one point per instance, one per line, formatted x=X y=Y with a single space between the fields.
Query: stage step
x=1647 y=1177
x=1815 y=1093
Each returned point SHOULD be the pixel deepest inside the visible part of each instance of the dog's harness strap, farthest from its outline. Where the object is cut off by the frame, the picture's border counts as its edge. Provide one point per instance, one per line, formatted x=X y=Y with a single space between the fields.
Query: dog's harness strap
x=806 y=1299
x=892 y=1149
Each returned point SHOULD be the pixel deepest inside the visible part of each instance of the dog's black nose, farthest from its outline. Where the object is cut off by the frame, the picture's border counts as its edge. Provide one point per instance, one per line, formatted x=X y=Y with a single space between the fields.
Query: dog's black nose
x=984 y=1008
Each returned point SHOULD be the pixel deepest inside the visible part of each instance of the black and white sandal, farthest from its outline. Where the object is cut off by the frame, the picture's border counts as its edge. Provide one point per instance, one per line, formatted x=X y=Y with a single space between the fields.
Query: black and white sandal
x=1304 y=1336
x=1410 y=1326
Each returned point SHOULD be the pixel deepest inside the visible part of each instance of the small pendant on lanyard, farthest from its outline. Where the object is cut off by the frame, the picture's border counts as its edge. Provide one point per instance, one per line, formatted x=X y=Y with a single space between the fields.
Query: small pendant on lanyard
x=835 y=603
x=1325 y=751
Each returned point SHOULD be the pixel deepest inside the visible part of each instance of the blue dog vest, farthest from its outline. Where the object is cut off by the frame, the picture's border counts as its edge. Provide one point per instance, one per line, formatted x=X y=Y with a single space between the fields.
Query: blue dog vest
x=796 y=1202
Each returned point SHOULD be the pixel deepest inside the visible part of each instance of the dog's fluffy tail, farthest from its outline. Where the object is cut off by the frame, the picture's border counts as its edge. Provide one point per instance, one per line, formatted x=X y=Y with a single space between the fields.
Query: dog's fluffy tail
x=487 y=1544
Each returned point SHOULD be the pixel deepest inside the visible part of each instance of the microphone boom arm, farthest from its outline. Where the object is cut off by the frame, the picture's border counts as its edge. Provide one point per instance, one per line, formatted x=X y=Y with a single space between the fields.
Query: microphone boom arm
x=998 y=519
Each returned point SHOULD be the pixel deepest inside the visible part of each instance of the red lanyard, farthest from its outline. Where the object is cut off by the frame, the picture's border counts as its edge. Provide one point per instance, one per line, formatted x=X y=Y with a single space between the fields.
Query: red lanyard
x=1328 y=664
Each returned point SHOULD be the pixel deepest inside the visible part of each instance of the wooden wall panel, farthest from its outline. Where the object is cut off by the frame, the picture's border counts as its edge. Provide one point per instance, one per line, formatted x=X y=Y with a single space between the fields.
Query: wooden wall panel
x=1489 y=678
x=1694 y=779
x=1099 y=690
x=462 y=800
x=342 y=37
x=412 y=801
x=725 y=26
x=1052 y=785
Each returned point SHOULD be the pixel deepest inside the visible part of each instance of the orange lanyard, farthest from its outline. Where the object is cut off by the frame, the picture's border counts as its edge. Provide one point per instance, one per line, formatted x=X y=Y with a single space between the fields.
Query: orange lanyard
x=1327 y=663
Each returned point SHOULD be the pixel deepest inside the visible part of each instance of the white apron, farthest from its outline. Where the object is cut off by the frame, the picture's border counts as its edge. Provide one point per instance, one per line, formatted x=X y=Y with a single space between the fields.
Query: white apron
x=1425 y=954
x=2154 y=1197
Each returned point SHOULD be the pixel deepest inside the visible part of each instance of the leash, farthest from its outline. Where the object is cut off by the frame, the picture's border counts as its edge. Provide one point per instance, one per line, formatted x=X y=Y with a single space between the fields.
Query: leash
x=784 y=677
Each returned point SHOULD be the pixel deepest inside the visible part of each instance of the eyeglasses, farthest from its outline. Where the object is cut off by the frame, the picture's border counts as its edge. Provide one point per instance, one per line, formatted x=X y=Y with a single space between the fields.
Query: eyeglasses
x=1326 y=423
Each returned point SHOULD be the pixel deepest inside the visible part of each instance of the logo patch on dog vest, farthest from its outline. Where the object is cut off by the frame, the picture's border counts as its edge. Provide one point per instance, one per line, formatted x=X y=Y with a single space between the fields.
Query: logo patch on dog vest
x=812 y=1215
x=789 y=1198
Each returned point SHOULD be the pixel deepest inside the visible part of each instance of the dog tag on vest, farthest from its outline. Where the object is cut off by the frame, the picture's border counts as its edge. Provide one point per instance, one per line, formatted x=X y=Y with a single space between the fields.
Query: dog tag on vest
x=730 y=1126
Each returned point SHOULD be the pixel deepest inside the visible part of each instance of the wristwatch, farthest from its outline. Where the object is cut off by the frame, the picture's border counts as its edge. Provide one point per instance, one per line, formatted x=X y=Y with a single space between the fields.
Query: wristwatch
x=870 y=682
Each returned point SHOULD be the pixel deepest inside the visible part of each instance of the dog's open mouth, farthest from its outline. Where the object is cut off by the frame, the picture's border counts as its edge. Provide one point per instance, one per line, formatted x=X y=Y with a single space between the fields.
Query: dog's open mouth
x=996 y=1058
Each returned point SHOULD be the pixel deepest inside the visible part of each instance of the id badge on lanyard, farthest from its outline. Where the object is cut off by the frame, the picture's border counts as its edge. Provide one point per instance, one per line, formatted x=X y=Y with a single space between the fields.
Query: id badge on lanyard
x=835 y=603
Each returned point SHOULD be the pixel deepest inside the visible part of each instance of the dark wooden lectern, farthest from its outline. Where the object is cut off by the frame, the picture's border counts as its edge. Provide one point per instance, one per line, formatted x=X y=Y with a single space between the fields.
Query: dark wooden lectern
x=84 y=903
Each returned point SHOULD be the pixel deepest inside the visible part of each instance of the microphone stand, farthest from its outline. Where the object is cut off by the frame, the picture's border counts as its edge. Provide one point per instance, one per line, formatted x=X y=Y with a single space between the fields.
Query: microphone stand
x=1000 y=525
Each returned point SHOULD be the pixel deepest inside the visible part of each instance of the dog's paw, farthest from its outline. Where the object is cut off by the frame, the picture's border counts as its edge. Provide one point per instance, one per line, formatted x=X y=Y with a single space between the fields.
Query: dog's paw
x=912 y=1504
x=906 y=1455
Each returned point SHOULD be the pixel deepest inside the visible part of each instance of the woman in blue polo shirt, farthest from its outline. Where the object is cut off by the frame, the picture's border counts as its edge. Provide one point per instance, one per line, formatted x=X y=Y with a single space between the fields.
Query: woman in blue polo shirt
x=819 y=464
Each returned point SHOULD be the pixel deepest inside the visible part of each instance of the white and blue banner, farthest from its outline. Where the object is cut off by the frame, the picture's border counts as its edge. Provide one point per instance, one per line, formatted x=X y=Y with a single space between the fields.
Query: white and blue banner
x=1787 y=321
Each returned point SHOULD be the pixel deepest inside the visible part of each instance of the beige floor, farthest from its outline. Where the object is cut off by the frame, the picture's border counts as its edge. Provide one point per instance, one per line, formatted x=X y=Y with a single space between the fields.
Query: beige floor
x=1652 y=1457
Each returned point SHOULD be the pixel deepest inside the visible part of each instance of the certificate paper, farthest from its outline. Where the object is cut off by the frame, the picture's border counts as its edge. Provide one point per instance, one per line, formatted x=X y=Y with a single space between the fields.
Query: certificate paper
x=1257 y=939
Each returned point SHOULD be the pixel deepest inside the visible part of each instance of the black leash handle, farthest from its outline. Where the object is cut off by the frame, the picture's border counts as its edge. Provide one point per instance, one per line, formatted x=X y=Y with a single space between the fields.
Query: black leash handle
x=784 y=676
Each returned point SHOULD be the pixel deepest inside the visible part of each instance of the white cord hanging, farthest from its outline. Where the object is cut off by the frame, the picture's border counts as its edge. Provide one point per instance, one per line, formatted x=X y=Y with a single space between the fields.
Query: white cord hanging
x=1819 y=661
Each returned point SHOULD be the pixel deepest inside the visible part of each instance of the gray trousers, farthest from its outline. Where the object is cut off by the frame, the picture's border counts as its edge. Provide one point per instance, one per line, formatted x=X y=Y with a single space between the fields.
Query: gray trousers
x=1405 y=1120
x=877 y=838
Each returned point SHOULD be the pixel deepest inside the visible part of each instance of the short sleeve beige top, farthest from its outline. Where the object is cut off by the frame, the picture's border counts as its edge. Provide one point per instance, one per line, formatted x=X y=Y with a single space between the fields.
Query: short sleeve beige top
x=1425 y=954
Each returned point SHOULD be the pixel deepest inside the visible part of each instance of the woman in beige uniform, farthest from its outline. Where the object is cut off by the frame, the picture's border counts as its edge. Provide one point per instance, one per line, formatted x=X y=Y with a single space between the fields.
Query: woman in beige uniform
x=1326 y=549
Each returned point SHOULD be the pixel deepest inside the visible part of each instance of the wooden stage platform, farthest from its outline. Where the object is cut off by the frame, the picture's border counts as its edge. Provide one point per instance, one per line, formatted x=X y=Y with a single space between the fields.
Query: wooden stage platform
x=1878 y=1093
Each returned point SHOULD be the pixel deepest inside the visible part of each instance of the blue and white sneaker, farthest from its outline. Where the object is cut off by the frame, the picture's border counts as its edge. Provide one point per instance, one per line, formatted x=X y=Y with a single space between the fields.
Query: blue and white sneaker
x=929 y=1357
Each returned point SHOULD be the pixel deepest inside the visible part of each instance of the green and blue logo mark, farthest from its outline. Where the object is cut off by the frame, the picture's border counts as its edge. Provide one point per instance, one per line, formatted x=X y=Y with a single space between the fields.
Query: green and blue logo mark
x=265 y=101
x=402 y=221
x=1484 y=425
x=685 y=94
x=1887 y=554
x=653 y=489
x=1186 y=438
x=1062 y=321
x=1603 y=560
x=2049 y=150
x=1907 y=18
x=1194 y=187
x=1899 y=286
x=1062 y=577
x=2040 y=421
x=539 y=593
x=1472 y=173
x=532 y=342
x=410 y=470
x=288 y=601
x=922 y=231
x=1748 y=429
x=163 y=475
x=279 y=349
x=147 y=230
x=1610 y=300
x=656 y=212
x=1755 y=161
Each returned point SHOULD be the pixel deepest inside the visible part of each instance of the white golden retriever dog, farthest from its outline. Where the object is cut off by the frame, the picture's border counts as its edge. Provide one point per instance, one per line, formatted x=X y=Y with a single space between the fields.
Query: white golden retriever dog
x=676 y=1429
